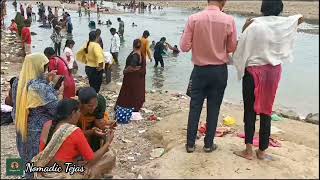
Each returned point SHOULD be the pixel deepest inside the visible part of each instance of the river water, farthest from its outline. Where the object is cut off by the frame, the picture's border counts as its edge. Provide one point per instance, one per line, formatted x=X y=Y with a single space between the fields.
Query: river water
x=299 y=86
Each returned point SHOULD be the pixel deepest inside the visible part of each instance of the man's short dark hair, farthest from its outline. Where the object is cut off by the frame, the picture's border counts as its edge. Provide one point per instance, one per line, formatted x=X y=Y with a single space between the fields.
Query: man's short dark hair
x=146 y=34
x=113 y=30
x=271 y=7
x=163 y=39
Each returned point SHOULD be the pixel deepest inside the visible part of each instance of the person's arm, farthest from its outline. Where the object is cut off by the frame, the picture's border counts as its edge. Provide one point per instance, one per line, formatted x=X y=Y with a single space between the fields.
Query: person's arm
x=148 y=51
x=232 y=38
x=86 y=151
x=186 y=38
x=99 y=112
x=68 y=56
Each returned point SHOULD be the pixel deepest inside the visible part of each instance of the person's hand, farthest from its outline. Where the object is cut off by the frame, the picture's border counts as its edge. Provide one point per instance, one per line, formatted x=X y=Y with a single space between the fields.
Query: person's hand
x=99 y=68
x=110 y=139
x=51 y=75
x=98 y=132
x=247 y=23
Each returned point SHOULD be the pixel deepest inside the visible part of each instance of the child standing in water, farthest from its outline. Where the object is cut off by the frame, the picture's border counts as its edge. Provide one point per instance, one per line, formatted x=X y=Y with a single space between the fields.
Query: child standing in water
x=56 y=37
x=69 y=56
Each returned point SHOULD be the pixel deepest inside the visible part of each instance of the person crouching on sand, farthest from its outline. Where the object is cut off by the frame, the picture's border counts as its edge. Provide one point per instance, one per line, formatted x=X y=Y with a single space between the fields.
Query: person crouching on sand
x=62 y=141
x=260 y=69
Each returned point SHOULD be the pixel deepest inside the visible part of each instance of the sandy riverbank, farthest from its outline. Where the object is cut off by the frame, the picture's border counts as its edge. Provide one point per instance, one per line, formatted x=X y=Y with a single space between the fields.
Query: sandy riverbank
x=309 y=9
x=297 y=158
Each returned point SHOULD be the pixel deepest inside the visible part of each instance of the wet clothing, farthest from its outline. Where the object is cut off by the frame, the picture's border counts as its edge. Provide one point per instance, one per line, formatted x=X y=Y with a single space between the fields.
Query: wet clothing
x=266 y=81
x=121 y=28
x=132 y=93
x=158 y=51
x=250 y=116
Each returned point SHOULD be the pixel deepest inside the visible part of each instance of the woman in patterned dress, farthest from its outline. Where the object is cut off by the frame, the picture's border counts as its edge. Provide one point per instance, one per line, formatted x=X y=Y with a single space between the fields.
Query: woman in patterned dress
x=34 y=102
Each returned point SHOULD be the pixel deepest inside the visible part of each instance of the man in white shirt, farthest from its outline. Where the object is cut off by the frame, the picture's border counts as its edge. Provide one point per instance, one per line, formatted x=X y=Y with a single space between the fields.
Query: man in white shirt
x=115 y=45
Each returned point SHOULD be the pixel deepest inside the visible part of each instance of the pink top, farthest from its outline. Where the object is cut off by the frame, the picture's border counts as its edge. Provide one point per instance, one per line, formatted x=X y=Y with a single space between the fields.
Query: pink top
x=211 y=34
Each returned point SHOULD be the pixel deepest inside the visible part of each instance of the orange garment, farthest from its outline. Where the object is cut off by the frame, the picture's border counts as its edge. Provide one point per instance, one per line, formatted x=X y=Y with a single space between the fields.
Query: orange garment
x=145 y=47
x=87 y=122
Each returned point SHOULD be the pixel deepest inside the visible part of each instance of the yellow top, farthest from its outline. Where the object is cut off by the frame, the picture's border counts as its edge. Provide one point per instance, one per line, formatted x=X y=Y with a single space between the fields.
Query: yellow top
x=94 y=56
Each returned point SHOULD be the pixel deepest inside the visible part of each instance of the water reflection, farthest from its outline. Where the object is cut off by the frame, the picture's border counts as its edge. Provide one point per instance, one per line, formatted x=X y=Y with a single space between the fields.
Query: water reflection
x=157 y=78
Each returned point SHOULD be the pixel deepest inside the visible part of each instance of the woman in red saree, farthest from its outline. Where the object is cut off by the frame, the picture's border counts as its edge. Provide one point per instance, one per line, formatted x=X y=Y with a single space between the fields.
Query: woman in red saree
x=132 y=93
x=60 y=65
x=62 y=141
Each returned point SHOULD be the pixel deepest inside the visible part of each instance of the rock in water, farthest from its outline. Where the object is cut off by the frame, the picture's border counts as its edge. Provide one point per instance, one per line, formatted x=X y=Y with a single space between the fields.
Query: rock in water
x=313 y=118
x=290 y=115
x=33 y=33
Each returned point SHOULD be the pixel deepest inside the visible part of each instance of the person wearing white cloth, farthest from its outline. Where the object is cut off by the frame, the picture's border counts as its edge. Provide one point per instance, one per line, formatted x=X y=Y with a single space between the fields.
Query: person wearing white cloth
x=115 y=45
x=265 y=44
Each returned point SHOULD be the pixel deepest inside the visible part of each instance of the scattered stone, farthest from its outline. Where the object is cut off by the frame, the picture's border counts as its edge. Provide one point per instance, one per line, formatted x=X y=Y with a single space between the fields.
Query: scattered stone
x=142 y=131
x=290 y=115
x=312 y=118
x=139 y=177
x=157 y=152
x=131 y=158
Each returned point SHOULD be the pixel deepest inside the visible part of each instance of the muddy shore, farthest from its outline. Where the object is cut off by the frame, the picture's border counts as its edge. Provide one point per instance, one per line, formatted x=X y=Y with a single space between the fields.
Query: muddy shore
x=298 y=156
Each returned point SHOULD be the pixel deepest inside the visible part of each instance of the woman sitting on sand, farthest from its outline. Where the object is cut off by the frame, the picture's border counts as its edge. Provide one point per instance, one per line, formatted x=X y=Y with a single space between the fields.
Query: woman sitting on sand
x=94 y=119
x=258 y=61
x=62 y=141
x=34 y=102
x=132 y=93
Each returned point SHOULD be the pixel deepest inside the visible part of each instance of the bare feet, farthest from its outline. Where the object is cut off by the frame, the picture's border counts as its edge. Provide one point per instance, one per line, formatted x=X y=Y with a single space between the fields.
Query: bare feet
x=245 y=154
x=263 y=156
